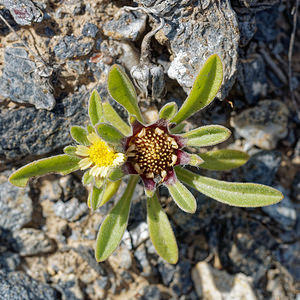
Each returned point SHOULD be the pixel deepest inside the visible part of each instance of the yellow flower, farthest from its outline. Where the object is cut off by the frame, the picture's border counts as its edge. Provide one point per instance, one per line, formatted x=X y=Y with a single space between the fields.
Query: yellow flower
x=98 y=156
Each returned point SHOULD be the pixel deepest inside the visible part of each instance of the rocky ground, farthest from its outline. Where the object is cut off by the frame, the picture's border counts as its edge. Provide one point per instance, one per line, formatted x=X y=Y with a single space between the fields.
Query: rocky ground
x=47 y=232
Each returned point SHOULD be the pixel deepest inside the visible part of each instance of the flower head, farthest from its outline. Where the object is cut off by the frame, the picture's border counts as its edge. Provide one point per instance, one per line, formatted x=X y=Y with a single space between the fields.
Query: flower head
x=98 y=156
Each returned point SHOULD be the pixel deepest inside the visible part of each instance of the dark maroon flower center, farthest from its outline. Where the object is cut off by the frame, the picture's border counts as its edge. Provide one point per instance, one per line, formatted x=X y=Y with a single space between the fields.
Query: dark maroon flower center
x=152 y=152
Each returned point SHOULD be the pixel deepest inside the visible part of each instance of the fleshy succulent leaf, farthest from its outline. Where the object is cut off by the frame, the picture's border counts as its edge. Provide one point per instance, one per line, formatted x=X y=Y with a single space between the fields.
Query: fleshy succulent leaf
x=95 y=108
x=114 y=119
x=99 y=182
x=96 y=197
x=178 y=128
x=168 y=111
x=114 y=225
x=87 y=178
x=79 y=134
x=204 y=89
x=160 y=231
x=236 y=194
x=222 y=160
x=70 y=150
x=62 y=164
x=110 y=190
x=122 y=90
x=182 y=196
x=207 y=135
x=116 y=174
x=109 y=133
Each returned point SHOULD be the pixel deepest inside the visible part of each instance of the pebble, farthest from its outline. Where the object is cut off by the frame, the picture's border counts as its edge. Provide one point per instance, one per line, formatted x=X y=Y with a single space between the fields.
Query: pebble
x=27 y=131
x=263 y=125
x=166 y=271
x=30 y=241
x=262 y=167
x=71 y=47
x=127 y=26
x=15 y=204
x=22 y=82
x=143 y=263
x=252 y=78
x=9 y=261
x=150 y=292
x=139 y=234
x=19 y=286
x=211 y=283
x=71 y=210
x=247 y=27
x=24 y=12
x=182 y=281
x=90 y=30
x=70 y=288
x=284 y=212
x=296 y=187
x=50 y=190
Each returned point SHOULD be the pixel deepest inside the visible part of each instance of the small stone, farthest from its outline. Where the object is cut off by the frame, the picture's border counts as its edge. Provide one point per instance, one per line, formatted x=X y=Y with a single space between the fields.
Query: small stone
x=167 y=272
x=17 y=285
x=143 y=263
x=262 y=167
x=263 y=125
x=30 y=241
x=247 y=27
x=71 y=47
x=150 y=292
x=15 y=205
x=211 y=283
x=72 y=187
x=128 y=26
x=252 y=78
x=121 y=258
x=23 y=82
x=90 y=30
x=71 y=210
x=182 y=281
x=70 y=288
x=24 y=12
x=284 y=212
x=139 y=234
x=9 y=261
x=50 y=190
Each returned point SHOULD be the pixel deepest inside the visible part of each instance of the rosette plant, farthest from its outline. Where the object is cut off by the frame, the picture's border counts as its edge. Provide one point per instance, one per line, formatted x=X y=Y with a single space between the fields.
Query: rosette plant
x=111 y=149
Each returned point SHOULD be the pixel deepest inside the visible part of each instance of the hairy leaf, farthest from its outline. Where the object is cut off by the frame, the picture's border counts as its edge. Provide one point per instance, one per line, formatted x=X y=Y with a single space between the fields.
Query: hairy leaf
x=79 y=134
x=95 y=108
x=109 y=133
x=168 y=111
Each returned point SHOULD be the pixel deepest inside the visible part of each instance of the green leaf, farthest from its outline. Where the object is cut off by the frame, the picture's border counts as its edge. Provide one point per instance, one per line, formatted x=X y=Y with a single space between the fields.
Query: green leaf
x=110 y=190
x=114 y=119
x=62 y=164
x=178 y=128
x=95 y=108
x=87 y=178
x=96 y=197
x=182 y=197
x=70 y=150
x=207 y=135
x=116 y=174
x=221 y=160
x=99 y=181
x=204 y=90
x=114 y=225
x=79 y=134
x=160 y=230
x=168 y=111
x=122 y=90
x=109 y=133
x=236 y=194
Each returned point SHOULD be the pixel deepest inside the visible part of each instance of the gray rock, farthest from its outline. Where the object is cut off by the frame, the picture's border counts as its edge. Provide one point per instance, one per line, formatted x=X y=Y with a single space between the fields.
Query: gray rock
x=262 y=167
x=9 y=261
x=150 y=292
x=247 y=27
x=15 y=205
x=139 y=234
x=182 y=281
x=24 y=12
x=143 y=263
x=71 y=210
x=23 y=82
x=90 y=30
x=19 y=286
x=50 y=190
x=296 y=187
x=284 y=212
x=72 y=187
x=127 y=26
x=196 y=30
x=288 y=255
x=30 y=241
x=70 y=289
x=167 y=272
x=71 y=46
x=252 y=6
x=211 y=283
x=27 y=131
x=252 y=78
x=263 y=125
